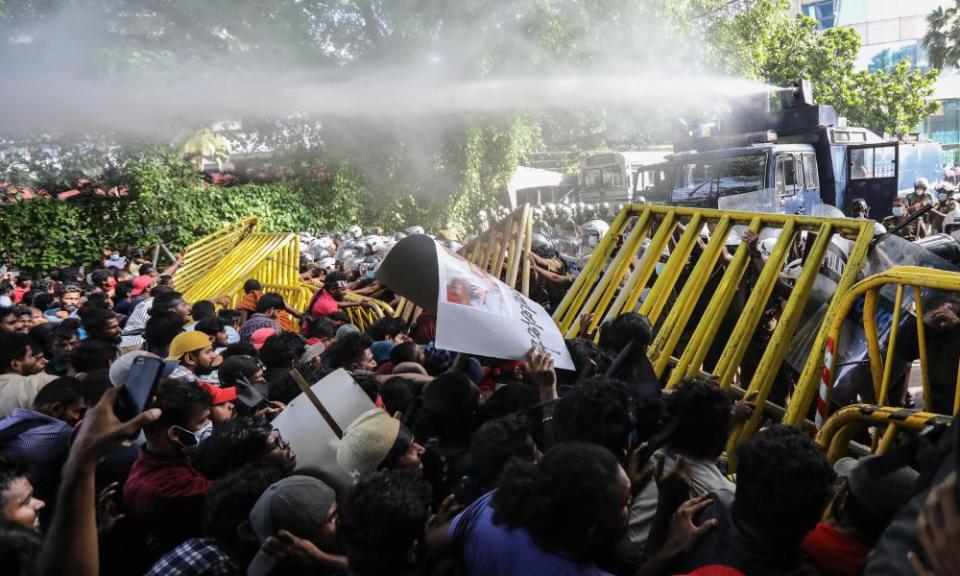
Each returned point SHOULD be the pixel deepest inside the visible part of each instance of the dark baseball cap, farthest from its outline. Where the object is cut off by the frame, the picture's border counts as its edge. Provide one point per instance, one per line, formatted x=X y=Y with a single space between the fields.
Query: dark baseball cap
x=299 y=504
x=335 y=280
x=235 y=366
x=883 y=494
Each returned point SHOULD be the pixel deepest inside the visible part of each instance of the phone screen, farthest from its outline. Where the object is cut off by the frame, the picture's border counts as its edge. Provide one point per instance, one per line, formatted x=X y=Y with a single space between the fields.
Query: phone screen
x=138 y=388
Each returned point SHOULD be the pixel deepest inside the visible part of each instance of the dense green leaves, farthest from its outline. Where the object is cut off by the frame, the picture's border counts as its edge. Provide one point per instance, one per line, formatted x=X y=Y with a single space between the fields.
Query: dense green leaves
x=768 y=43
x=380 y=169
x=168 y=203
x=942 y=40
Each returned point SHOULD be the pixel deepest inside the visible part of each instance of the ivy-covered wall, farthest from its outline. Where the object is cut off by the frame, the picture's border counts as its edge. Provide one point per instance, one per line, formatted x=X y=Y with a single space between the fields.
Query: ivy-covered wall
x=45 y=232
x=168 y=200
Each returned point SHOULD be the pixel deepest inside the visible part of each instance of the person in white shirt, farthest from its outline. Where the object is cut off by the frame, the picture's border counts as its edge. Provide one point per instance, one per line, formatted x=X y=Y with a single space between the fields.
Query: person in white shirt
x=21 y=373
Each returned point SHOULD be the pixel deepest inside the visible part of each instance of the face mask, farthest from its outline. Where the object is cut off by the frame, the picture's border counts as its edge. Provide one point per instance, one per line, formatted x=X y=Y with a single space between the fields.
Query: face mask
x=371 y=274
x=943 y=197
x=898 y=211
x=190 y=440
x=205 y=432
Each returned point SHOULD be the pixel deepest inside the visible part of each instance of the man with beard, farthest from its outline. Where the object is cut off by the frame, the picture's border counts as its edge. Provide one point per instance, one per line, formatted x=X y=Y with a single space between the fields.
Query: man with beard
x=21 y=372
x=194 y=352
x=102 y=325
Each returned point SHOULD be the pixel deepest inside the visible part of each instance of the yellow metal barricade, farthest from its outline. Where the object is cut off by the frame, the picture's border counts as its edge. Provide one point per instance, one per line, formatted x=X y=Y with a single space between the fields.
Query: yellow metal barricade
x=270 y=258
x=202 y=255
x=622 y=275
x=842 y=427
x=386 y=310
x=364 y=316
x=906 y=280
x=296 y=297
x=503 y=250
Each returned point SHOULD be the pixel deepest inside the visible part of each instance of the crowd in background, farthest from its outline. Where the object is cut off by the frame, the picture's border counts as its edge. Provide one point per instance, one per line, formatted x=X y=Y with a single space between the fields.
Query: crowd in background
x=467 y=465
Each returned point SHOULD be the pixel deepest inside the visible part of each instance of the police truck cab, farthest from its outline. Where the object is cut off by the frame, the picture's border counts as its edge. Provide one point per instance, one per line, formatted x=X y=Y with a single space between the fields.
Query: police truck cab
x=790 y=159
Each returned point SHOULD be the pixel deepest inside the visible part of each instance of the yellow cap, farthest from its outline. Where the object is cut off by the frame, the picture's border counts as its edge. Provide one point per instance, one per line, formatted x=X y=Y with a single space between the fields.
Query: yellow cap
x=187 y=342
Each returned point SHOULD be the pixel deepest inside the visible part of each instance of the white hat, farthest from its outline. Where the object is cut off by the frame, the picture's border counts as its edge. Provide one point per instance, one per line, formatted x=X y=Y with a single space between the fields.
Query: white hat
x=368 y=441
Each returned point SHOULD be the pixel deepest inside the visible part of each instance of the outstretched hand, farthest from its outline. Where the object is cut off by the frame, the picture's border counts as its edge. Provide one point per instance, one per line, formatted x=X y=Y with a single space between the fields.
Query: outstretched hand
x=743 y=409
x=683 y=533
x=101 y=430
x=540 y=366
x=938 y=528
x=285 y=547
x=108 y=507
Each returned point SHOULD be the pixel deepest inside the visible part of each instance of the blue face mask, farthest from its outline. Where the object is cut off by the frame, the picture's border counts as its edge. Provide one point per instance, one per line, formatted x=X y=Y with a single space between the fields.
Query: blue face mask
x=371 y=274
x=190 y=440
x=898 y=211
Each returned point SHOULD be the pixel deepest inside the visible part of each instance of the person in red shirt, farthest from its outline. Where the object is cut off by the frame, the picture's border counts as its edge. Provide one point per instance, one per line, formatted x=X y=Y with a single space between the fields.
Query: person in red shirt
x=328 y=299
x=865 y=504
x=163 y=493
x=24 y=285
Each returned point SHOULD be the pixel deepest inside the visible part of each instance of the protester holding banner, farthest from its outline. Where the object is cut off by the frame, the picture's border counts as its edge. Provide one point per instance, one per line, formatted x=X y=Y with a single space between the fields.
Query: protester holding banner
x=470 y=433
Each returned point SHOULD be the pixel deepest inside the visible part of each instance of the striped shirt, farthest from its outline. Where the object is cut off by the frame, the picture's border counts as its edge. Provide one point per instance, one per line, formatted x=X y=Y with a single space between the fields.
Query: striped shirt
x=137 y=321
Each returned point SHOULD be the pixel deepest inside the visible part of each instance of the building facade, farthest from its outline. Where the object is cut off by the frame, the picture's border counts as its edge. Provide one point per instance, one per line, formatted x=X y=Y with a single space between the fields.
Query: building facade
x=891 y=31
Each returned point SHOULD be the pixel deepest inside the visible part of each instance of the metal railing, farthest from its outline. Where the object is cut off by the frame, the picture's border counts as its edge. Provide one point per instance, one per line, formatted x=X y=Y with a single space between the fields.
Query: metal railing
x=202 y=255
x=841 y=428
x=654 y=261
x=909 y=282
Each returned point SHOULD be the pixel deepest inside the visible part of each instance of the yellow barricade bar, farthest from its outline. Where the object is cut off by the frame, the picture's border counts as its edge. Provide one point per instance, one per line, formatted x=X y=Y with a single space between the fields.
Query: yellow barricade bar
x=385 y=309
x=503 y=250
x=881 y=367
x=200 y=256
x=654 y=261
x=840 y=428
x=270 y=258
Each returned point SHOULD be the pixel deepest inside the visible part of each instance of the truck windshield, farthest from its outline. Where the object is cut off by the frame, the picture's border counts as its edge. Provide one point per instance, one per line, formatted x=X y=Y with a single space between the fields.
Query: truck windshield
x=719 y=177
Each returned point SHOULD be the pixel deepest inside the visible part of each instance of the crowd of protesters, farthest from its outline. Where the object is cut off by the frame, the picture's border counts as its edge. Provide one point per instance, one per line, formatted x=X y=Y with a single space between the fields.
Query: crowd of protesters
x=468 y=465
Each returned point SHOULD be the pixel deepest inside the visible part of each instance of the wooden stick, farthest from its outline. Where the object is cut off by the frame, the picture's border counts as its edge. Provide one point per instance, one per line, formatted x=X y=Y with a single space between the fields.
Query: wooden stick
x=298 y=378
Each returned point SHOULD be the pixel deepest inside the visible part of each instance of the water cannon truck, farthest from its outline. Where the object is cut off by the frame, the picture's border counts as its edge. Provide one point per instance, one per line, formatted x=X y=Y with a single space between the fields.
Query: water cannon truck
x=781 y=152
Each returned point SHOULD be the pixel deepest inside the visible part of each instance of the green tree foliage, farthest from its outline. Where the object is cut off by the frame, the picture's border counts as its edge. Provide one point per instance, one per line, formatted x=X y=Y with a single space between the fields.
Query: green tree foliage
x=381 y=170
x=169 y=203
x=942 y=40
x=768 y=43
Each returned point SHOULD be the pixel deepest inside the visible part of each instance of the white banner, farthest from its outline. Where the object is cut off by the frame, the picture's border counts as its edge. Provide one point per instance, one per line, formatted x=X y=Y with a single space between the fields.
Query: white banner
x=476 y=313
x=310 y=436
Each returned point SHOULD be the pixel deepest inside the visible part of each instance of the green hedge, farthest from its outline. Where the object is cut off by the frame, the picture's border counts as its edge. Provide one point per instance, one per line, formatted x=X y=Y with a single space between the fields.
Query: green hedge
x=44 y=233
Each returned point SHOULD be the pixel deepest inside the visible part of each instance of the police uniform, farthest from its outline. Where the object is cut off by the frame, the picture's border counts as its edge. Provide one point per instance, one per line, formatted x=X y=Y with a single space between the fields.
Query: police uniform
x=916 y=229
x=924 y=197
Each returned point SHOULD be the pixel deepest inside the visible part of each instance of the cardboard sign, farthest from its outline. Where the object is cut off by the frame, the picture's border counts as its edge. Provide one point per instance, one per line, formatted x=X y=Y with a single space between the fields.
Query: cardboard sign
x=476 y=313
x=311 y=437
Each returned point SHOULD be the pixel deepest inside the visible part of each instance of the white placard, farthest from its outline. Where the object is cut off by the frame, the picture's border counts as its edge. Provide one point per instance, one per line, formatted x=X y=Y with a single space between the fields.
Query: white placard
x=308 y=433
x=476 y=313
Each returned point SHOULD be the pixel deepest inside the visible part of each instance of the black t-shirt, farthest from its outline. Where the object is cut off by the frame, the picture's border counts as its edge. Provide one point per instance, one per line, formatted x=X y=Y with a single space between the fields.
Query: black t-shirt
x=727 y=545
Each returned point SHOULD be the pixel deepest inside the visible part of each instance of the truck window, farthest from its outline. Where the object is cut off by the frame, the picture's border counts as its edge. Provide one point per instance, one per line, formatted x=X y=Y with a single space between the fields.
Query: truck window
x=874 y=162
x=786 y=176
x=593 y=178
x=612 y=177
x=885 y=162
x=811 y=179
x=741 y=174
x=694 y=181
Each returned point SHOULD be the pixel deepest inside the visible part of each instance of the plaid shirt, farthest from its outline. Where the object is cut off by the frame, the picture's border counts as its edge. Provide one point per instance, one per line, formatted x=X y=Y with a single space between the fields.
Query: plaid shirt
x=256 y=322
x=137 y=321
x=44 y=448
x=195 y=557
